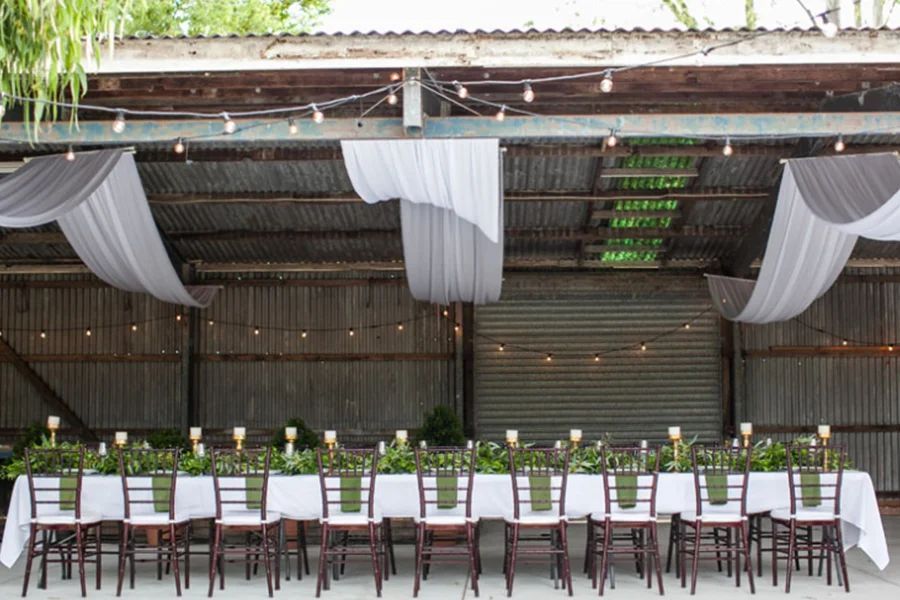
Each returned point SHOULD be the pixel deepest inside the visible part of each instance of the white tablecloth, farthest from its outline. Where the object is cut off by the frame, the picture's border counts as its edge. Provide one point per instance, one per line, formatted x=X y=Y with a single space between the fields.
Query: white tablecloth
x=397 y=496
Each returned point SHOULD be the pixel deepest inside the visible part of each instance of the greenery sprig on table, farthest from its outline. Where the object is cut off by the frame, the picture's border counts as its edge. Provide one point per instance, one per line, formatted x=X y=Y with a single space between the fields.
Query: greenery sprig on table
x=491 y=458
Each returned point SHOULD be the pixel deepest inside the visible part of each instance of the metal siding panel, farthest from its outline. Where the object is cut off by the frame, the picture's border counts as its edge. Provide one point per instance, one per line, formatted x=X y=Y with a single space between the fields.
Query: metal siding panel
x=631 y=394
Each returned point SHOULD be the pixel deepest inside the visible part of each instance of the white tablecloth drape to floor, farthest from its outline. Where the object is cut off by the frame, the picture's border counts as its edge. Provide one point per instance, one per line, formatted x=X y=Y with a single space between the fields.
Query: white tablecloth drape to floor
x=397 y=497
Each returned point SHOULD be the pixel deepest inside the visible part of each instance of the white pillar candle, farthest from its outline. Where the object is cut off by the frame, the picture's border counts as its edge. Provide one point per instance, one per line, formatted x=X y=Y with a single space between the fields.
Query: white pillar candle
x=575 y=435
x=824 y=431
x=240 y=433
x=101 y=449
x=643 y=444
x=121 y=437
x=402 y=435
x=289 y=449
x=52 y=422
x=196 y=433
x=512 y=435
x=330 y=436
x=557 y=444
x=290 y=433
x=382 y=448
x=201 y=449
x=735 y=443
x=746 y=428
x=674 y=432
x=470 y=445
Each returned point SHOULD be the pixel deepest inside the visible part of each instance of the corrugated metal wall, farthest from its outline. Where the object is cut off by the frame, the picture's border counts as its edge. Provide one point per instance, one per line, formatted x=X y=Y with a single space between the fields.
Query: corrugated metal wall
x=857 y=391
x=632 y=394
x=118 y=378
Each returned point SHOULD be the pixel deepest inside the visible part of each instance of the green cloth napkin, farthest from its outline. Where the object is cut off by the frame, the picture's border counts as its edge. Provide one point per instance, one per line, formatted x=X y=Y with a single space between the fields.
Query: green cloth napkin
x=541 y=494
x=626 y=490
x=67 y=488
x=254 y=484
x=717 y=489
x=351 y=494
x=810 y=490
x=447 y=492
x=161 y=492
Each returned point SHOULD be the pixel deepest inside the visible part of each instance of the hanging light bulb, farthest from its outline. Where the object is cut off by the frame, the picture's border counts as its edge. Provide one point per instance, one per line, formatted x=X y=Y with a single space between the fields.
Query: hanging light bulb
x=392 y=98
x=119 y=124
x=890 y=347
x=395 y=76
x=606 y=85
x=292 y=127
x=501 y=347
x=87 y=332
x=643 y=346
x=179 y=146
x=456 y=328
x=350 y=332
x=527 y=92
x=844 y=342
x=829 y=28
x=230 y=126
x=134 y=327
x=446 y=312
x=210 y=322
x=400 y=326
x=687 y=325
x=256 y=331
x=178 y=317
x=612 y=140
x=501 y=114
x=549 y=357
x=317 y=116
x=43 y=334
x=727 y=150
x=461 y=90
x=70 y=154
x=839 y=145
x=303 y=334
x=596 y=358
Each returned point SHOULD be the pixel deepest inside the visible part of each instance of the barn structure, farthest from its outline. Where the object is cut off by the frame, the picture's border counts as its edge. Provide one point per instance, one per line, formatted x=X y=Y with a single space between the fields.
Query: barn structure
x=605 y=321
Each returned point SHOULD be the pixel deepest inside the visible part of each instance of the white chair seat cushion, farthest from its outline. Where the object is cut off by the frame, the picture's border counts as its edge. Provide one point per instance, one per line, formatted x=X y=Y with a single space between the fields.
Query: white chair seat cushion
x=460 y=520
x=248 y=517
x=714 y=516
x=635 y=516
x=67 y=519
x=350 y=519
x=804 y=514
x=156 y=519
x=547 y=520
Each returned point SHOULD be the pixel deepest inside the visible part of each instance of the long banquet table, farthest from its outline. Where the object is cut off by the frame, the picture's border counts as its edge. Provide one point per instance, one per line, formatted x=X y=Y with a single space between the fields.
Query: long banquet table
x=397 y=497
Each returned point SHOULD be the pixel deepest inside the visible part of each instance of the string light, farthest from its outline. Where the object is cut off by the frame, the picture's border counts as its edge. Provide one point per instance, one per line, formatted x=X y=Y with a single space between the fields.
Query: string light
x=643 y=346
x=134 y=327
x=87 y=332
x=829 y=28
x=179 y=146
x=839 y=145
x=392 y=98
x=292 y=127
x=461 y=90
x=612 y=140
x=229 y=125
x=303 y=334
x=890 y=347
x=43 y=334
x=400 y=326
x=395 y=76
x=727 y=150
x=317 y=116
x=456 y=328
x=210 y=322
x=549 y=357
x=501 y=114
x=446 y=312
x=606 y=84
x=70 y=154
x=501 y=347
x=687 y=325
x=527 y=92
x=844 y=342
x=178 y=317
x=119 y=124
x=256 y=331
x=596 y=358
x=350 y=332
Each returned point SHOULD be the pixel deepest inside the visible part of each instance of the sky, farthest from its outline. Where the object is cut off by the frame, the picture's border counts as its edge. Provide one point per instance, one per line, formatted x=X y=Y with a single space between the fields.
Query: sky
x=434 y=15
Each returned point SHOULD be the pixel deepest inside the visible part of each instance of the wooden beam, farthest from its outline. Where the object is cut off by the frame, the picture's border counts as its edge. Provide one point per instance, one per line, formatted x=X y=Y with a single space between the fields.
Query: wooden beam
x=96 y=358
x=329 y=357
x=801 y=351
x=51 y=398
x=713 y=125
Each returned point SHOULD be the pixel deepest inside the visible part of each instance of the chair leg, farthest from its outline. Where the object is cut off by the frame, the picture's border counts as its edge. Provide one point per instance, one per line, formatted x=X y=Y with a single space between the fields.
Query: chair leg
x=842 y=557
x=173 y=548
x=80 y=548
x=267 y=559
x=604 y=553
x=45 y=549
x=657 y=562
x=673 y=545
x=188 y=533
x=214 y=558
x=792 y=555
x=376 y=564
x=98 y=562
x=123 y=557
x=420 y=543
x=774 y=553
x=473 y=561
x=682 y=566
x=301 y=540
x=695 y=558
x=323 y=560
x=745 y=542
x=566 y=567
x=29 y=559
x=512 y=559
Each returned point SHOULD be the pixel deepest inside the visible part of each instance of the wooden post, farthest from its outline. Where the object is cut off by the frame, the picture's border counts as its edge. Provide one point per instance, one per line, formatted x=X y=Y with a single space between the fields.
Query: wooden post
x=468 y=368
x=726 y=335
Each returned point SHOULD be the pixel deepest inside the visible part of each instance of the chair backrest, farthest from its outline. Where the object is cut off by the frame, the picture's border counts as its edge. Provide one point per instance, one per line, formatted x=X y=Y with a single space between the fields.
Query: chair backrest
x=539 y=478
x=54 y=480
x=630 y=476
x=446 y=477
x=241 y=479
x=347 y=480
x=815 y=474
x=721 y=474
x=149 y=478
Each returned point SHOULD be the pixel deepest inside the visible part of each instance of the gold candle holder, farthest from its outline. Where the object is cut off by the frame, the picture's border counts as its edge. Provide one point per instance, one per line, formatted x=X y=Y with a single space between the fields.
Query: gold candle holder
x=239 y=435
x=290 y=436
x=824 y=432
x=53 y=426
x=330 y=439
x=121 y=439
x=401 y=437
x=196 y=436
x=574 y=438
x=512 y=438
x=675 y=437
x=746 y=433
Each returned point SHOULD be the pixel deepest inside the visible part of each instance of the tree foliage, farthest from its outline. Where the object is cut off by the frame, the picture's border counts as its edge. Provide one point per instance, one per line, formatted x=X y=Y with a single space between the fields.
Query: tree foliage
x=223 y=17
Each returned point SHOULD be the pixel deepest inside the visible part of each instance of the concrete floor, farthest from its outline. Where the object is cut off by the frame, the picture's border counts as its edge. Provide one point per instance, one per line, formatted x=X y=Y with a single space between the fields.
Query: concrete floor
x=449 y=581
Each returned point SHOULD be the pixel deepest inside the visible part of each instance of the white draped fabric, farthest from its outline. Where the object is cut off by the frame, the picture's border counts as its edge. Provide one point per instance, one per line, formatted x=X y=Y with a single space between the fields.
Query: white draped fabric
x=824 y=204
x=100 y=205
x=451 y=211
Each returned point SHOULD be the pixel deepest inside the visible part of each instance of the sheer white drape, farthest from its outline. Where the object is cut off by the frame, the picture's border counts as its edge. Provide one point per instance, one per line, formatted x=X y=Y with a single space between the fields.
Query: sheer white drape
x=450 y=207
x=100 y=205
x=824 y=204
